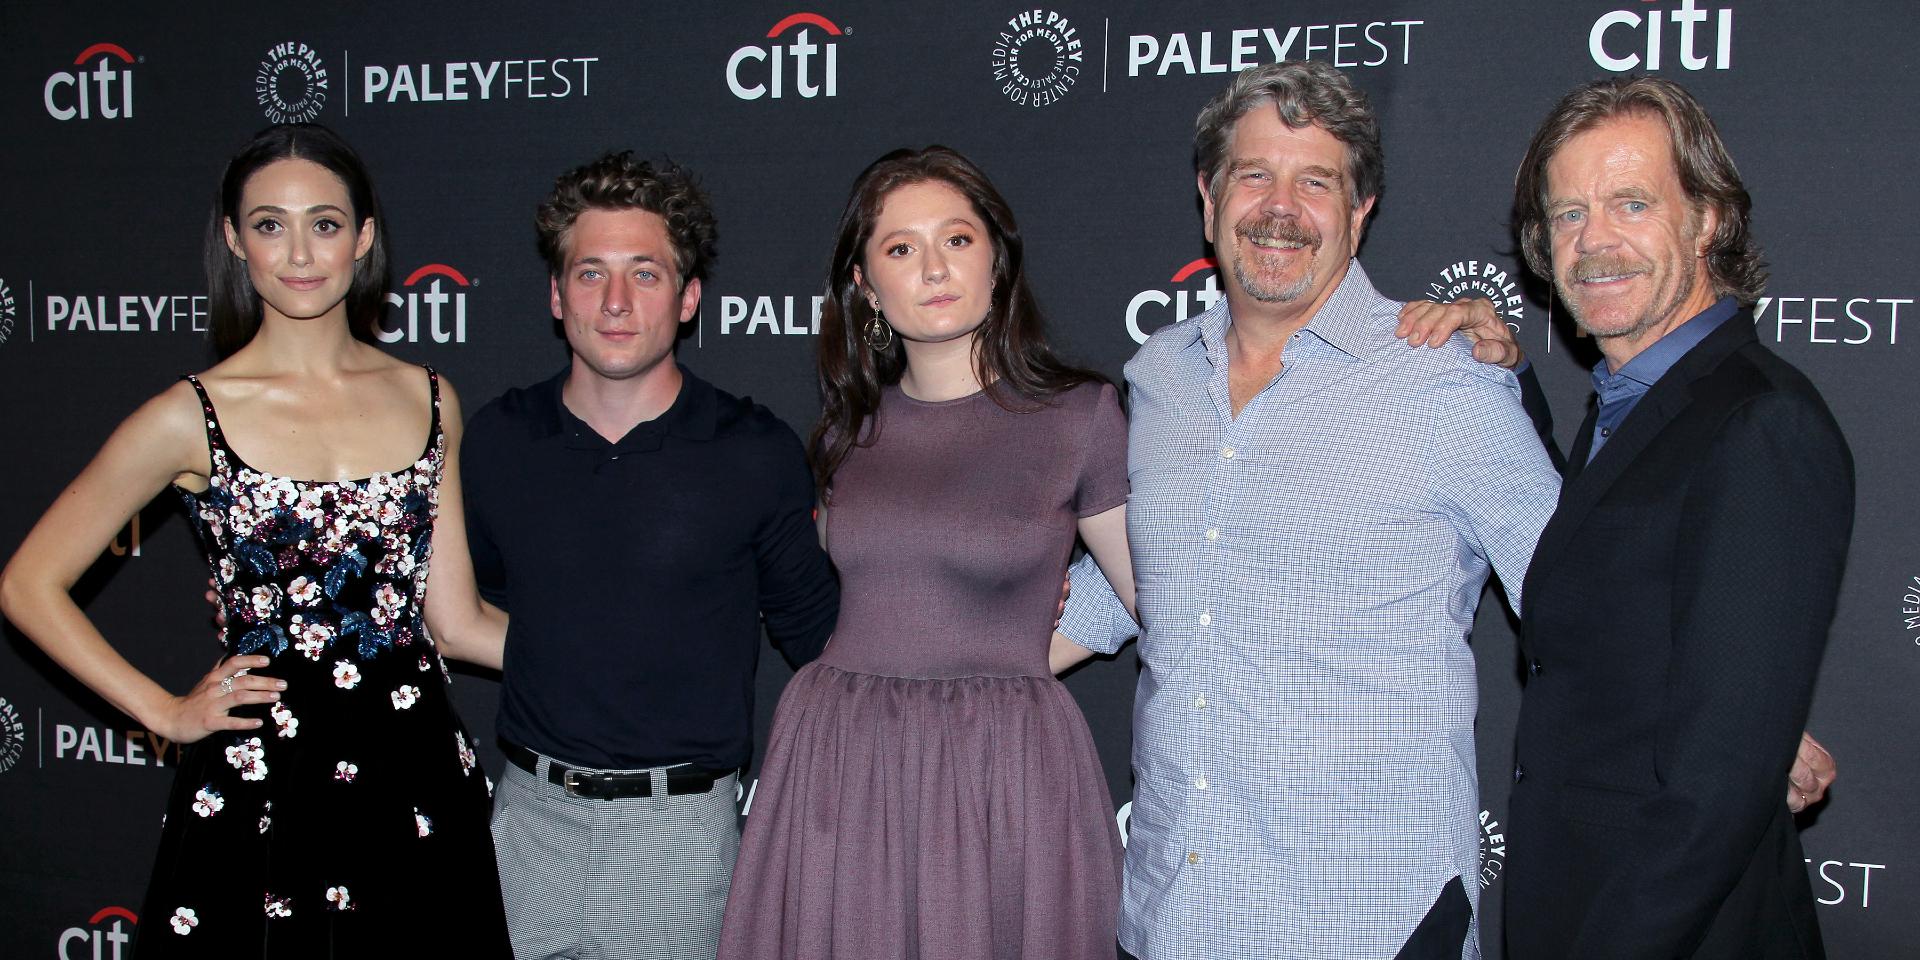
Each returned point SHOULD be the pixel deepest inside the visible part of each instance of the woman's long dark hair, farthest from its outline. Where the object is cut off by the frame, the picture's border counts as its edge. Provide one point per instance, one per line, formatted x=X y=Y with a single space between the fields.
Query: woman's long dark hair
x=233 y=306
x=1012 y=348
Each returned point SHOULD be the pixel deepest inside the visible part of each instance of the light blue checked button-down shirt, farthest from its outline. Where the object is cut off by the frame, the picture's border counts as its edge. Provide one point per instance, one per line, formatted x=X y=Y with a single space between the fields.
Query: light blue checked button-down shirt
x=1308 y=574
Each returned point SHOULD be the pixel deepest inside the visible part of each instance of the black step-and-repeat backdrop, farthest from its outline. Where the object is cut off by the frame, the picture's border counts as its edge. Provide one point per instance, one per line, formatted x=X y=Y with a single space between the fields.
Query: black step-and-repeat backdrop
x=117 y=122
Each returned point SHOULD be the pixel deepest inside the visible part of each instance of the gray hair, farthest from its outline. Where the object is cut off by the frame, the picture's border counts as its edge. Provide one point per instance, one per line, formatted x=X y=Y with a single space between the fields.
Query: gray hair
x=1305 y=92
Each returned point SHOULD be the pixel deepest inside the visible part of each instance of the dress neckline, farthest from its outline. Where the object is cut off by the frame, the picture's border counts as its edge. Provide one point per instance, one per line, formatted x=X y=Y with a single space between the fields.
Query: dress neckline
x=954 y=402
x=218 y=434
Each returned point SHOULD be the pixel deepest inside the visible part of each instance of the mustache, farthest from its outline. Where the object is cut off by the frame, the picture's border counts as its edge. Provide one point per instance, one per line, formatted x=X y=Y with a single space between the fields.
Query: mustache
x=1603 y=265
x=1283 y=229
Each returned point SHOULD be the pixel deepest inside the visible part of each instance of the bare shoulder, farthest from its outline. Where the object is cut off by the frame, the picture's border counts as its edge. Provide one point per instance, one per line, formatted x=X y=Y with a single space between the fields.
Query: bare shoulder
x=175 y=412
x=166 y=434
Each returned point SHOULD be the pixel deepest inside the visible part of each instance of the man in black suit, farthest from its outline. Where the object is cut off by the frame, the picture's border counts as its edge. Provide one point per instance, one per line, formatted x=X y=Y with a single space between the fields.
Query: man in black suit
x=1678 y=601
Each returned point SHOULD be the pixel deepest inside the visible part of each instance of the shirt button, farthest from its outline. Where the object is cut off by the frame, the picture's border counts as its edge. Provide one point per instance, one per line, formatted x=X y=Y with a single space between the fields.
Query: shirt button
x=1199 y=703
x=1519 y=773
x=1606 y=431
x=1226 y=453
x=1533 y=666
x=1193 y=858
x=1213 y=533
x=1206 y=619
x=1200 y=783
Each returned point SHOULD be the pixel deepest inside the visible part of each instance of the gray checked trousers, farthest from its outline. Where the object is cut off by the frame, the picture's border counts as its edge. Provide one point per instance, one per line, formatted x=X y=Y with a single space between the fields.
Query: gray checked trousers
x=639 y=878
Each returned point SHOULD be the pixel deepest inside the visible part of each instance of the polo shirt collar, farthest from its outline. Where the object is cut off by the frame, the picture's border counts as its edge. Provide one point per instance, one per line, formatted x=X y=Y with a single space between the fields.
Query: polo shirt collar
x=693 y=415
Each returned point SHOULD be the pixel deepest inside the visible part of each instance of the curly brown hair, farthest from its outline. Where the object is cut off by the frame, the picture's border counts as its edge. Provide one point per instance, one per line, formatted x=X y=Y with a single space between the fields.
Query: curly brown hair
x=617 y=181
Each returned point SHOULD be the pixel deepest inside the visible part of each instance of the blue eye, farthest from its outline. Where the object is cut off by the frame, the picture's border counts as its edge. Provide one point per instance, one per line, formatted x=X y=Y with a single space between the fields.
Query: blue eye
x=1636 y=206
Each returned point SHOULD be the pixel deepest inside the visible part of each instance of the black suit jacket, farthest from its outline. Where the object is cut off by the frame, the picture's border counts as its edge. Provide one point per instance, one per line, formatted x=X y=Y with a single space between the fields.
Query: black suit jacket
x=1674 y=617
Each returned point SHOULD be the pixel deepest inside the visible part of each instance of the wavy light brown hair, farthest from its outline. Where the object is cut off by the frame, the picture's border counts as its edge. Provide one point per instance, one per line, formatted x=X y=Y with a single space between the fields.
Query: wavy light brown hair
x=616 y=181
x=1708 y=177
x=1011 y=349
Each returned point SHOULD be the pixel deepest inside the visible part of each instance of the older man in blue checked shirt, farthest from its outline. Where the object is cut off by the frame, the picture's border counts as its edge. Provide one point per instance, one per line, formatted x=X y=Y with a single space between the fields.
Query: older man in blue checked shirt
x=1315 y=507
x=1315 y=510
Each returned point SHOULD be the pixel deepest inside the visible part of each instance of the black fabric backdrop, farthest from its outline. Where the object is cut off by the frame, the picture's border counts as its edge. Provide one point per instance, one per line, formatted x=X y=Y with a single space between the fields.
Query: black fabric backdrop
x=117 y=118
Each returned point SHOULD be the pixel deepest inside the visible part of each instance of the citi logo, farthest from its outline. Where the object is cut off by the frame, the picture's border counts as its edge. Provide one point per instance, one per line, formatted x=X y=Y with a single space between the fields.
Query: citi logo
x=774 y=70
x=106 y=943
x=442 y=307
x=105 y=92
x=1148 y=311
x=1623 y=40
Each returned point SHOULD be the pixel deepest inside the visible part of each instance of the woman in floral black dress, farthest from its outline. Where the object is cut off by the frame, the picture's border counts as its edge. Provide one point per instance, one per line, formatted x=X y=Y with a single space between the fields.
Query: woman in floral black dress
x=328 y=803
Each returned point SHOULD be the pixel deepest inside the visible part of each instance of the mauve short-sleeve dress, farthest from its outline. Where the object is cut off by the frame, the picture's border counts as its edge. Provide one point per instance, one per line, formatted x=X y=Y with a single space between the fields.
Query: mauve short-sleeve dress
x=930 y=790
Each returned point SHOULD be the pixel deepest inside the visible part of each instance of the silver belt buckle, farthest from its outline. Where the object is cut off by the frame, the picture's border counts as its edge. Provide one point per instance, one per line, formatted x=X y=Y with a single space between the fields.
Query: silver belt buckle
x=570 y=782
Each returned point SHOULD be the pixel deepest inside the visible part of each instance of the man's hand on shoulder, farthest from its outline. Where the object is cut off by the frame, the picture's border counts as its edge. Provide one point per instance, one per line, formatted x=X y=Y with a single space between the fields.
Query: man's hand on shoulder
x=1425 y=323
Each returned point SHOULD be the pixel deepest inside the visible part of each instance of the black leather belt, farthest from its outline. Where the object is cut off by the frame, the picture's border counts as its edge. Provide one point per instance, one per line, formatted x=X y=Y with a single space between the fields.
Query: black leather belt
x=611 y=786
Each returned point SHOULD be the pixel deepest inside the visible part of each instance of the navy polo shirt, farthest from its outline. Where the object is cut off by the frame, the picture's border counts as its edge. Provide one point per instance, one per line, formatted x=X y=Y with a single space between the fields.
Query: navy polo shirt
x=637 y=572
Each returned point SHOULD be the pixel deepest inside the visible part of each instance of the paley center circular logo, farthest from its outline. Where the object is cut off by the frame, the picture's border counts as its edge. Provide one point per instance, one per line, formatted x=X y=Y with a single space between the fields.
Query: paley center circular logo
x=8 y=312
x=13 y=736
x=1482 y=278
x=1037 y=57
x=291 y=83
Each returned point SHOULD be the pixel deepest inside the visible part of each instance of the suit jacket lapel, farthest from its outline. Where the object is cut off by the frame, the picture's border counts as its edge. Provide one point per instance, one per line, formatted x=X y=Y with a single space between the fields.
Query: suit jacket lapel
x=1586 y=482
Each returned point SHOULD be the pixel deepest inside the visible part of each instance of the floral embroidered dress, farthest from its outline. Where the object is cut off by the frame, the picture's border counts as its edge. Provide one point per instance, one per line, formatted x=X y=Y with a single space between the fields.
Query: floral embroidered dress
x=353 y=822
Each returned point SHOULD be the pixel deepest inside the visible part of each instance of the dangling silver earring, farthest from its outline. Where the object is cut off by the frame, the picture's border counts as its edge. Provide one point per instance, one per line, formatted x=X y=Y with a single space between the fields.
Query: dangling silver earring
x=879 y=333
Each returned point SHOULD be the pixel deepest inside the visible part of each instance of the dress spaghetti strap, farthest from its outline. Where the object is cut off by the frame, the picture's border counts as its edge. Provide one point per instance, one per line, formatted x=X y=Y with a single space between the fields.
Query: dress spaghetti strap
x=217 y=438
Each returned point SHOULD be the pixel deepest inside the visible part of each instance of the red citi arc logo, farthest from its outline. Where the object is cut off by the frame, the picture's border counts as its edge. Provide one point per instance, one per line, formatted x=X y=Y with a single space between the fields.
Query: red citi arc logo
x=1147 y=311
x=782 y=69
x=435 y=305
x=105 y=92
x=107 y=944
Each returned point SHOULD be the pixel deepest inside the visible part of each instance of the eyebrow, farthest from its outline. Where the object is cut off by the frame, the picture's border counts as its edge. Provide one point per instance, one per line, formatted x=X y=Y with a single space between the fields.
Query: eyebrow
x=636 y=258
x=316 y=208
x=963 y=221
x=1324 y=173
x=1624 y=193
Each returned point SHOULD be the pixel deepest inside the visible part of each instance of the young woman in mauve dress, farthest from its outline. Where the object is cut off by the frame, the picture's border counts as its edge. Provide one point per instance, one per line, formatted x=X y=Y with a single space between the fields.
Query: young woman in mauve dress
x=328 y=803
x=930 y=790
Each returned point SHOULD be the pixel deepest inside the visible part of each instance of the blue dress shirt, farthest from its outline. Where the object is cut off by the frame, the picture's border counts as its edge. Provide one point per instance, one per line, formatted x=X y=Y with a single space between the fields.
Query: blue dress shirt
x=1620 y=392
x=1308 y=571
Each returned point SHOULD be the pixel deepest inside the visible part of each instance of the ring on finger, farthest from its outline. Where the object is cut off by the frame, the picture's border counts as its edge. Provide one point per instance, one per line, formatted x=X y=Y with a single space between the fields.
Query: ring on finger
x=226 y=685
